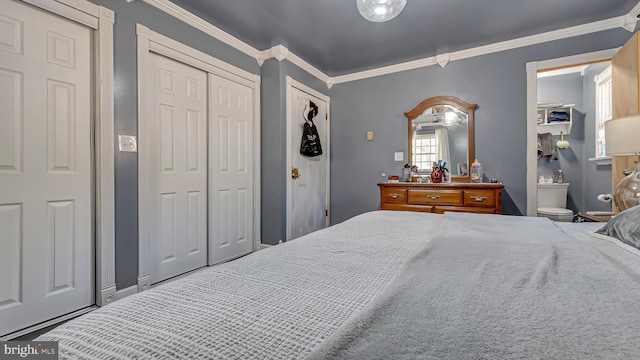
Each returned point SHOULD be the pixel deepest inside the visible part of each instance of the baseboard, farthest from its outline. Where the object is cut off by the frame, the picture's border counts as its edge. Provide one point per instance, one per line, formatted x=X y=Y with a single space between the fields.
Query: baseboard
x=107 y=296
x=122 y=293
x=144 y=282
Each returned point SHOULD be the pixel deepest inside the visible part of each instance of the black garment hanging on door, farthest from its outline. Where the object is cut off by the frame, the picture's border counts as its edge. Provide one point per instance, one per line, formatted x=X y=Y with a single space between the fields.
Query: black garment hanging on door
x=310 y=144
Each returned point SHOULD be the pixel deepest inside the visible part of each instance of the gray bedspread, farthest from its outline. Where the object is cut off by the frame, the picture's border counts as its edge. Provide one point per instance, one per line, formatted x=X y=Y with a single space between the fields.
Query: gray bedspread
x=500 y=287
x=277 y=303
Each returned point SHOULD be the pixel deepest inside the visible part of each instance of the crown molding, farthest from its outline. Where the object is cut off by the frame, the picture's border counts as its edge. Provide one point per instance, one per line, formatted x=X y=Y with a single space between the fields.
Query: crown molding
x=488 y=49
x=415 y=64
x=280 y=52
x=301 y=63
x=632 y=18
x=204 y=26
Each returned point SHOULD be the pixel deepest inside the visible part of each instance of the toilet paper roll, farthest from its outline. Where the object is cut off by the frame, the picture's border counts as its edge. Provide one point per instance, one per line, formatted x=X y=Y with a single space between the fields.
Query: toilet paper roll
x=604 y=197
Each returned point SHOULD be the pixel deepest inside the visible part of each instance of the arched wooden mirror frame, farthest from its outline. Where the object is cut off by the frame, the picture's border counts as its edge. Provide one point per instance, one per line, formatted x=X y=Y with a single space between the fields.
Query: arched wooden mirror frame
x=458 y=104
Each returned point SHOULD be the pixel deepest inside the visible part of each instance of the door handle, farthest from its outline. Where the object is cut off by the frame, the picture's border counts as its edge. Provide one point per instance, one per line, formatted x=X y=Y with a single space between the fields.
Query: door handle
x=294 y=173
x=479 y=198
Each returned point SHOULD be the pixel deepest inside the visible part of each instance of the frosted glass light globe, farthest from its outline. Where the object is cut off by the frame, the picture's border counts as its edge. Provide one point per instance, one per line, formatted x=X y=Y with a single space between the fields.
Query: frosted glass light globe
x=380 y=10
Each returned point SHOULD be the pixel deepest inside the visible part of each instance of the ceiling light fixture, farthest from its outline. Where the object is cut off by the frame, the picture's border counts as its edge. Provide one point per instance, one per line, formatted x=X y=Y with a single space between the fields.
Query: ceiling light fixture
x=380 y=10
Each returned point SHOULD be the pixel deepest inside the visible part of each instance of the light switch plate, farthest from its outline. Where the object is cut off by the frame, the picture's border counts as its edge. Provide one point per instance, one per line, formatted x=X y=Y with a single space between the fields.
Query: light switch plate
x=398 y=156
x=369 y=135
x=127 y=143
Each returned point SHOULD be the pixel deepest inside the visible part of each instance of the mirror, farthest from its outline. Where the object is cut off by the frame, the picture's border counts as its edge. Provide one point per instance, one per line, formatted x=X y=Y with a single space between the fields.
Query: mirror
x=441 y=128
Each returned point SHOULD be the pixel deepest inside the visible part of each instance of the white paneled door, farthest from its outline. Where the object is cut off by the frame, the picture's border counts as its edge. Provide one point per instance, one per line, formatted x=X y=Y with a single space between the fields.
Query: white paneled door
x=231 y=168
x=307 y=188
x=46 y=216
x=178 y=153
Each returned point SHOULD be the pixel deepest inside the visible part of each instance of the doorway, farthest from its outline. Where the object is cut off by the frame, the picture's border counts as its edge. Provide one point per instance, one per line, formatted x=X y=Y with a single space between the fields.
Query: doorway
x=308 y=178
x=533 y=69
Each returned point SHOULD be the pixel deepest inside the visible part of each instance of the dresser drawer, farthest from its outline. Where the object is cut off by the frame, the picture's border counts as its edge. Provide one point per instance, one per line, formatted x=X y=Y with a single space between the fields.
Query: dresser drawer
x=394 y=195
x=479 y=197
x=434 y=197
x=439 y=198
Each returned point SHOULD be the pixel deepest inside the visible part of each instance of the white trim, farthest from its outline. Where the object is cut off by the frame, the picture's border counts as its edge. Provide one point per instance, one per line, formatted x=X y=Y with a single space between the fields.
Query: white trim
x=131 y=290
x=166 y=46
x=149 y=41
x=563 y=71
x=257 y=177
x=488 y=49
x=204 y=26
x=293 y=58
x=144 y=198
x=601 y=160
x=532 y=69
x=280 y=52
x=87 y=15
x=632 y=18
x=290 y=84
x=144 y=282
x=385 y=70
x=105 y=163
x=101 y=19
x=604 y=76
x=58 y=320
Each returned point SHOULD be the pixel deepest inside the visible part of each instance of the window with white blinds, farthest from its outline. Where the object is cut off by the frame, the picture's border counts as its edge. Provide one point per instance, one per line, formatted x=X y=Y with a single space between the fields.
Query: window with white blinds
x=425 y=151
x=603 y=108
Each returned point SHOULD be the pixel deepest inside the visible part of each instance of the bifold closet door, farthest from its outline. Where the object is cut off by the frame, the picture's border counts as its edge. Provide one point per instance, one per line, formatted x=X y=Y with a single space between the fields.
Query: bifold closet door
x=178 y=159
x=231 y=168
x=46 y=216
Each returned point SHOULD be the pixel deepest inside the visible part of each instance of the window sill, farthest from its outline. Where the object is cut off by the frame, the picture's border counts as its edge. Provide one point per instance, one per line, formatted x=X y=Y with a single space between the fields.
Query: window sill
x=601 y=160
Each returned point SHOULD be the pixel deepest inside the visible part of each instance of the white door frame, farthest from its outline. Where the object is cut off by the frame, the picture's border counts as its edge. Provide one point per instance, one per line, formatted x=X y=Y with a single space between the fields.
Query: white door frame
x=532 y=104
x=149 y=41
x=292 y=83
x=101 y=20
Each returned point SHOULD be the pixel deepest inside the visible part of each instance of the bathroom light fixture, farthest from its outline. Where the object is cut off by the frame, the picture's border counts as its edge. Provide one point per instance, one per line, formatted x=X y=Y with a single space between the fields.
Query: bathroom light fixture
x=380 y=10
x=622 y=138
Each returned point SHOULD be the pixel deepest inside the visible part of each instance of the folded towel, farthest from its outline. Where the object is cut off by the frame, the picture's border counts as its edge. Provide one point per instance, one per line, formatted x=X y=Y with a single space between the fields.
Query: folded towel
x=546 y=146
x=558 y=116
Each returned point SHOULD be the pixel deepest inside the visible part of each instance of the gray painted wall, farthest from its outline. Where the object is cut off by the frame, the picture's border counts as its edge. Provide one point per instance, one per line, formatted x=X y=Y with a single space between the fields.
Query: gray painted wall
x=496 y=82
x=567 y=89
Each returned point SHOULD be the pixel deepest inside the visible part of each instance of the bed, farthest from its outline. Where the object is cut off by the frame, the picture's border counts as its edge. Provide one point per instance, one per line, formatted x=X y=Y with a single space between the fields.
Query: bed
x=389 y=285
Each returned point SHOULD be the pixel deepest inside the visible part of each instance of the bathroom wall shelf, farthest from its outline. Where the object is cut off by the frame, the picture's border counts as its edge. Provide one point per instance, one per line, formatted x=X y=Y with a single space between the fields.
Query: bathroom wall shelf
x=555 y=127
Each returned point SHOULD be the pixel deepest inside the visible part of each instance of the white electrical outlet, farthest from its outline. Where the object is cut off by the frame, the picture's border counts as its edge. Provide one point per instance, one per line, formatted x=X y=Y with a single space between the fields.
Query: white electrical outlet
x=398 y=156
x=127 y=143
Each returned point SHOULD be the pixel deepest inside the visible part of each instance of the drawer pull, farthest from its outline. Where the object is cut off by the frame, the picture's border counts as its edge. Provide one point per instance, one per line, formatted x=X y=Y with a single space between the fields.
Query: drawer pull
x=479 y=198
x=394 y=195
x=433 y=197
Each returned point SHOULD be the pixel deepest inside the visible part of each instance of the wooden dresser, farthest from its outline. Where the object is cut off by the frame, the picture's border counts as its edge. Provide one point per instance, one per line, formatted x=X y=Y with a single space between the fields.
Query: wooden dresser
x=438 y=198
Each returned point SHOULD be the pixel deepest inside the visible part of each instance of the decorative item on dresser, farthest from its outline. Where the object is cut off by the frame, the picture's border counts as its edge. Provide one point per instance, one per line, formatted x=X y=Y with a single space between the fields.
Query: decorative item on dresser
x=438 y=198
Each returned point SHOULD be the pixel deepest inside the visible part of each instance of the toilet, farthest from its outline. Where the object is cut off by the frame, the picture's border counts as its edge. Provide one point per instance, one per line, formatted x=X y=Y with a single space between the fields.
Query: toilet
x=552 y=202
